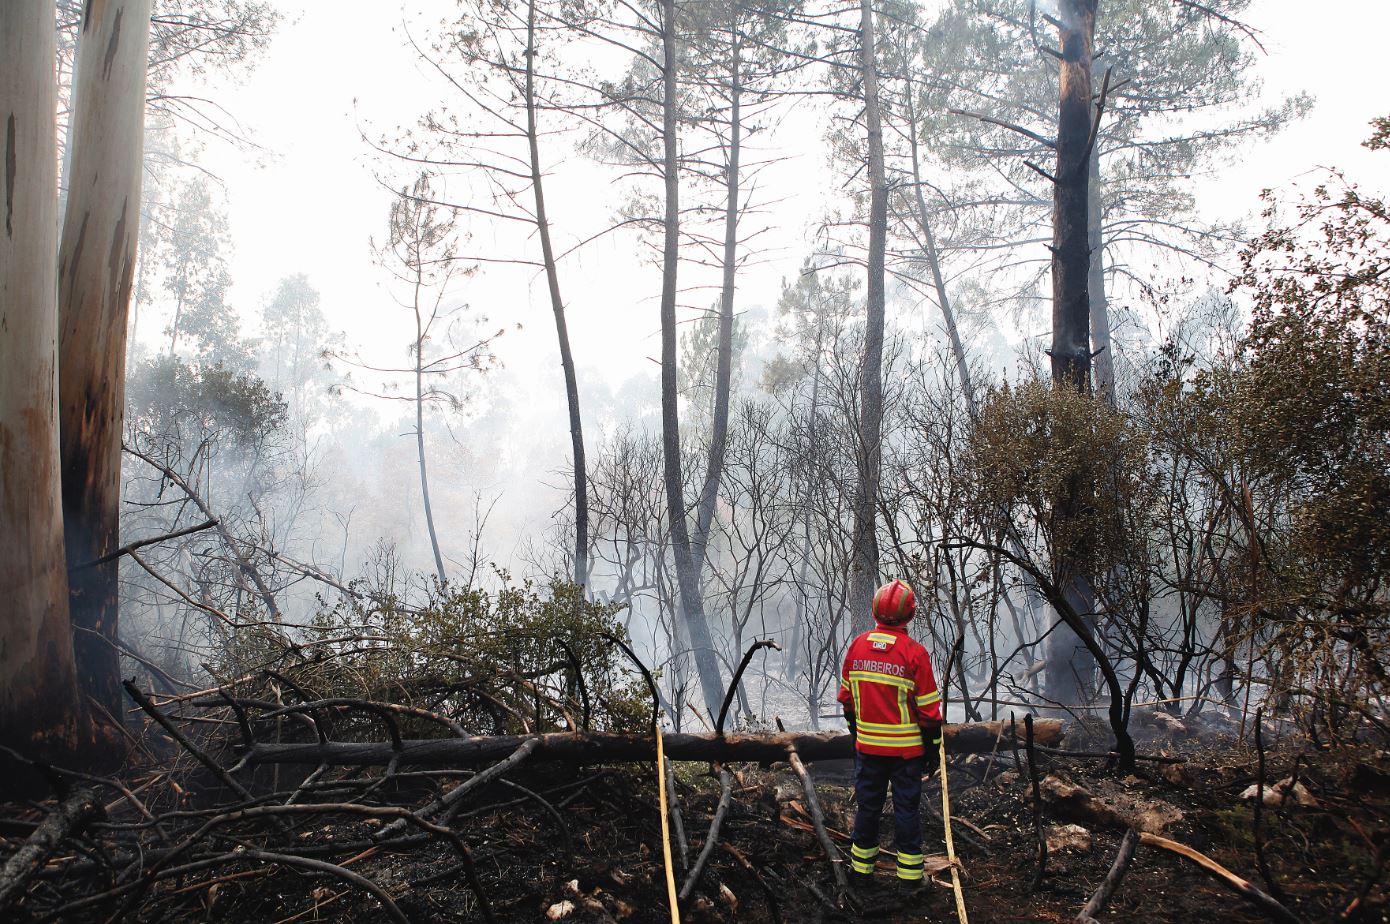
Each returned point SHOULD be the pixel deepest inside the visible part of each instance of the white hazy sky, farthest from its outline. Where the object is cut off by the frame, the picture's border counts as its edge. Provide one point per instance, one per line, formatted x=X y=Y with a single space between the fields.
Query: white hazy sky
x=308 y=202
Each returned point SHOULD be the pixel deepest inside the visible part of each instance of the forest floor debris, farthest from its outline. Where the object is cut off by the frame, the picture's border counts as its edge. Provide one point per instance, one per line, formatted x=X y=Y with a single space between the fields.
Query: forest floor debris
x=770 y=865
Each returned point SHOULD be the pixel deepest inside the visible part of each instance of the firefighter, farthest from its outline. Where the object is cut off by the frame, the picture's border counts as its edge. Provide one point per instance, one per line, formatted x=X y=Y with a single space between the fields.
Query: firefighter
x=893 y=710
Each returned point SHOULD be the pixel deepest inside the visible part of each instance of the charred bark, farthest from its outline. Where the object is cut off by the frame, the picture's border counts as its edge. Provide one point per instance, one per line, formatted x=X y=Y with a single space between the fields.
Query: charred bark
x=95 y=272
x=605 y=747
x=1070 y=667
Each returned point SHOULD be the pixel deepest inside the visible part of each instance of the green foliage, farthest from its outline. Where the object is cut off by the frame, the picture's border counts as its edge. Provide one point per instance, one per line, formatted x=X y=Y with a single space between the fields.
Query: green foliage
x=172 y=402
x=495 y=661
x=1310 y=393
x=1069 y=463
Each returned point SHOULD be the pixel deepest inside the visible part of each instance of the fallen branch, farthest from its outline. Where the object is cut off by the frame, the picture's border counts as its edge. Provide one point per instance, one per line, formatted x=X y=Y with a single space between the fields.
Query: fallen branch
x=726 y=792
x=1037 y=807
x=70 y=816
x=674 y=809
x=1112 y=879
x=449 y=802
x=141 y=543
x=818 y=818
x=1242 y=887
x=614 y=747
x=144 y=703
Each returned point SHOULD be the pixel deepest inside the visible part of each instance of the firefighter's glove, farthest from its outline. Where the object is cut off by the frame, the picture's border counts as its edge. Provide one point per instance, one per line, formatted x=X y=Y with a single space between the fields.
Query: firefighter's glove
x=849 y=720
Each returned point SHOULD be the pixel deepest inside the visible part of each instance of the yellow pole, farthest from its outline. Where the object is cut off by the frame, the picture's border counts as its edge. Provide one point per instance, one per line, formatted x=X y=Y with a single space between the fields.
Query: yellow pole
x=950 y=844
x=665 y=828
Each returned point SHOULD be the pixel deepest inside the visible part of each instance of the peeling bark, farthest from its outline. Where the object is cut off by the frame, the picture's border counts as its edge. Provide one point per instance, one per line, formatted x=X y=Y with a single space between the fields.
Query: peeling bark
x=38 y=693
x=95 y=274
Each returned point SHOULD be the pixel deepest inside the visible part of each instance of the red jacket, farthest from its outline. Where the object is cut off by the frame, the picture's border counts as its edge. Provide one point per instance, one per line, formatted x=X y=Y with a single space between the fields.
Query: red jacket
x=888 y=687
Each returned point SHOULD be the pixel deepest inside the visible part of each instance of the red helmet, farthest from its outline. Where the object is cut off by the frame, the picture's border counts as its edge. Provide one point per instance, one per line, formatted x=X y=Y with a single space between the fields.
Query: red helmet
x=894 y=603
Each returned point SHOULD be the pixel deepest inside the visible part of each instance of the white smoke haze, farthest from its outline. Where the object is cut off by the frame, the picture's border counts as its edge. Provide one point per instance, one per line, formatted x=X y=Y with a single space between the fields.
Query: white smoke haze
x=335 y=487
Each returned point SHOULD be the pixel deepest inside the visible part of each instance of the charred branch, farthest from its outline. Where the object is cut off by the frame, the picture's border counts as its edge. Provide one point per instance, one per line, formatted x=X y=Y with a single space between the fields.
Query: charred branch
x=613 y=747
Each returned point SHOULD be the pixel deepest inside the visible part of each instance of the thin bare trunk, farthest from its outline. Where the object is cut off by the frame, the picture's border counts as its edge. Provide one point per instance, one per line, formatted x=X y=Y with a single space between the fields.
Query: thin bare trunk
x=864 y=555
x=420 y=437
x=948 y=315
x=719 y=433
x=1095 y=288
x=38 y=690
x=687 y=573
x=557 y=304
x=96 y=268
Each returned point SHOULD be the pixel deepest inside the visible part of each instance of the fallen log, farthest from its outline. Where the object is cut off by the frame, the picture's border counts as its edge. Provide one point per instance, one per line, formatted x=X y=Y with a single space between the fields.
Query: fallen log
x=613 y=747
x=69 y=817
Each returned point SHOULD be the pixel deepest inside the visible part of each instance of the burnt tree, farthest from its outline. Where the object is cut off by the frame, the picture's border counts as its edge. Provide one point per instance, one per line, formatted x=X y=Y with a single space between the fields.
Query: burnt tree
x=1070 y=667
x=95 y=271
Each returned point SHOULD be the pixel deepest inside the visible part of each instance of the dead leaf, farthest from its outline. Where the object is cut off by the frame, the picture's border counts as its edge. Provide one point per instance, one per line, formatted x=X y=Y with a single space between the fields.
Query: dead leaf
x=729 y=898
x=560 y=910
x=1280 y=793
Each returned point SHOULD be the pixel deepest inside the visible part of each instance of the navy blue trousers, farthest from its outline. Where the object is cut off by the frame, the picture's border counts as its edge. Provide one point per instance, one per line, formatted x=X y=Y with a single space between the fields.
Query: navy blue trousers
x=872 y=775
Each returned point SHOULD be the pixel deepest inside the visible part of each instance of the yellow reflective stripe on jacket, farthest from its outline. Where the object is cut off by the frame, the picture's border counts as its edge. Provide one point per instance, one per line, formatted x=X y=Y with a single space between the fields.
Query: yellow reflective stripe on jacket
x=875 y=677
x=927 y=699
x=906 y=741
x=890 y=728
x=882 y=637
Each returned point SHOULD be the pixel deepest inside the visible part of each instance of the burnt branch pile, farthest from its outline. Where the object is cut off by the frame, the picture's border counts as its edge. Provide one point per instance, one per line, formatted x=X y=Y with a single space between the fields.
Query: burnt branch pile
x=276 y=773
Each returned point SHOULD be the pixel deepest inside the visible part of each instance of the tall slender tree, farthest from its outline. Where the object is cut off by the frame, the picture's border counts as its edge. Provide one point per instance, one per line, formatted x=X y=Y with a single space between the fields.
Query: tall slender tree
x=1070 y=668
x=864 y=577
x=687 y=567
x=39 y=710
x=96 y=266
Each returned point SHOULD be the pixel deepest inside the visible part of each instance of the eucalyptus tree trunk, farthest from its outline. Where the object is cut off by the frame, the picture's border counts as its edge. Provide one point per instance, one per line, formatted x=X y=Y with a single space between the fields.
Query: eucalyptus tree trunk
x=96 y=265
x=39 y=711
x=864 y=552
x=557 y=304
x=1070 y=666
x=692 y=606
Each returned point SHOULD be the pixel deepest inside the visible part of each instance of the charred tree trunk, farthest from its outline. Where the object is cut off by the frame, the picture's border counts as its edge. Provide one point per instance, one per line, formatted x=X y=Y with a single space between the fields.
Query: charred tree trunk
x=864 y=554
x=38 y=690
x=557 y=304
x=687 y=571
x=95 y=272
x=1070 y=666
